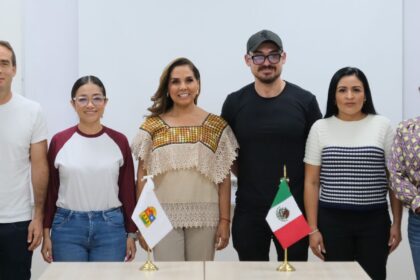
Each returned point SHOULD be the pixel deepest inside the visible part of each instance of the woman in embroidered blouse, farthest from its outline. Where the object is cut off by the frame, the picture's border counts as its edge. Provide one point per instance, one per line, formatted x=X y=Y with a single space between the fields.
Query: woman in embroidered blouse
x=345 y=179
x=189 y=152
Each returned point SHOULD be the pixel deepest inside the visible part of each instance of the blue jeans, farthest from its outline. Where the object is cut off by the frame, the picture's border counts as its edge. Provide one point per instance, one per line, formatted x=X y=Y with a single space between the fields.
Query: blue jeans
x=15 y=258
x=414 y=239
x=92 y=236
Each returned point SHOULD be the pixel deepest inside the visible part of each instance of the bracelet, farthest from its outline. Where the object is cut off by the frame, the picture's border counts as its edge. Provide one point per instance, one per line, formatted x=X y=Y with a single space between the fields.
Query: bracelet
x=315 y=230
x=225 y=219
x=132 y=235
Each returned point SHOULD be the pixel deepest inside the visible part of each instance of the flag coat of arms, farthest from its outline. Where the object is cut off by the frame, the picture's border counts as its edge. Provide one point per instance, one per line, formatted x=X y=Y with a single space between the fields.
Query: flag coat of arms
x=285 y=218
x=149 y=216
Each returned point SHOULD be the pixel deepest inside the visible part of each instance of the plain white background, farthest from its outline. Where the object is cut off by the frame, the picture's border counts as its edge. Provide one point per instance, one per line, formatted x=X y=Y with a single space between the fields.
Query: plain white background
x=128 y=43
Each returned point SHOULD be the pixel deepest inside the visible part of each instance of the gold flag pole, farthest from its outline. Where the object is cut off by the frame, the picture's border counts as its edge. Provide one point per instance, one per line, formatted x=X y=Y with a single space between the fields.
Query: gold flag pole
x=149 y=265
x=285 y=266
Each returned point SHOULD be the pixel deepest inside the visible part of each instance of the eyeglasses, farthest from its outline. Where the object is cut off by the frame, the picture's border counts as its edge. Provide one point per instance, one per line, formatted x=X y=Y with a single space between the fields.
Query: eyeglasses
x=97 y=100
x=259 y=59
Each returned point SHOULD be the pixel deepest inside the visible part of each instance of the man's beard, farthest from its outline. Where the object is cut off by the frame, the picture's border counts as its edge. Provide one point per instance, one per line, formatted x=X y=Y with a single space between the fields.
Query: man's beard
x=268 y=80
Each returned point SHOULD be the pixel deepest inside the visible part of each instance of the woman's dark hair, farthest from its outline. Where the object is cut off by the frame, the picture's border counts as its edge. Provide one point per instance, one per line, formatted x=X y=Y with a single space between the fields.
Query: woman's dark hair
x=332 y=109
x=87 y=80
x=162 y=102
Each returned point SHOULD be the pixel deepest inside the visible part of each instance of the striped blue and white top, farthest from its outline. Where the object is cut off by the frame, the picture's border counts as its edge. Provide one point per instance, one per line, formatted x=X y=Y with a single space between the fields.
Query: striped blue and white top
x=352 y=158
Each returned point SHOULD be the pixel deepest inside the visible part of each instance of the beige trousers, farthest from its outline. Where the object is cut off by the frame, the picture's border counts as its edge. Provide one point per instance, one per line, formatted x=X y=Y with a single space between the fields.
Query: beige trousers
x=187 y=244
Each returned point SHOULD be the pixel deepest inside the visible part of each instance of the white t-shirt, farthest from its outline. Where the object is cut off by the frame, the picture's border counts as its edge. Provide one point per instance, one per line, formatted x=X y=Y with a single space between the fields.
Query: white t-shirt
x=21 y=124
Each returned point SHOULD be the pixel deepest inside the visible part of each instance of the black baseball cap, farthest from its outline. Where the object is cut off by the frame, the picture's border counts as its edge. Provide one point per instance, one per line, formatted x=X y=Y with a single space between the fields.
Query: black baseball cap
x=260 y=37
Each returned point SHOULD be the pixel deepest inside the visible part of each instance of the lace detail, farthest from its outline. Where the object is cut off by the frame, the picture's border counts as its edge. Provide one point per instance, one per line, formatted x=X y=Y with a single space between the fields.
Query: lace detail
x=192 y=214
x=226 y=153
x=141 y=146
x=213 y=165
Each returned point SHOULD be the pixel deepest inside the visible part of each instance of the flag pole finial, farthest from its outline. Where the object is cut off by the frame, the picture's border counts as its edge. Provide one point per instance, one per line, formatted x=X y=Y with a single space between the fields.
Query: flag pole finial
x=284 y=172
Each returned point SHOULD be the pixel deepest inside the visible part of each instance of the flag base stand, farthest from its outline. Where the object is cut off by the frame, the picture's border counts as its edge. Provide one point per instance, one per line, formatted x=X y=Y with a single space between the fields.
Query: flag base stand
x=285 y=266
x=148 y=265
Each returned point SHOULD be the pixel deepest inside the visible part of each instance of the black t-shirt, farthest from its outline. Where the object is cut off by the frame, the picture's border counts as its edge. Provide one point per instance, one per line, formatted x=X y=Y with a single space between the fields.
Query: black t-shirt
x=271 y=132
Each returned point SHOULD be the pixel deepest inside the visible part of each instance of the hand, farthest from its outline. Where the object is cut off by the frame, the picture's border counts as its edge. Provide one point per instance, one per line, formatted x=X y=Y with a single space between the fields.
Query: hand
x=46 y=250
x=222 y=234
x=317 y=245
x=131 y=249
x=143 y=243
x=34 y=233
x=394 y=237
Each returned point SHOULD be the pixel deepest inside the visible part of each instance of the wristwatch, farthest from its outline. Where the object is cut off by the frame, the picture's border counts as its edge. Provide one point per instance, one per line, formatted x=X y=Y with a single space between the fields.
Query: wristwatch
x=132 y=235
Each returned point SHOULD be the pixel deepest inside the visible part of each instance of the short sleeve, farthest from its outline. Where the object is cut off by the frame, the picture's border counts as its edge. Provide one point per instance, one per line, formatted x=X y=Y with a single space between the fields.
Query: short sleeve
x=389 y=138
x=40 y=131
x=141 y=146
x=225 y=155
x=313 y=146
x=313 y=113
x=227 y=110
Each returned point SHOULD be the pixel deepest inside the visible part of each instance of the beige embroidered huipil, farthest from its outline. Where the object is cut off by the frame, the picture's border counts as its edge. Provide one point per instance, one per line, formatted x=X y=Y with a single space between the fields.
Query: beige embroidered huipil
x=187 y=163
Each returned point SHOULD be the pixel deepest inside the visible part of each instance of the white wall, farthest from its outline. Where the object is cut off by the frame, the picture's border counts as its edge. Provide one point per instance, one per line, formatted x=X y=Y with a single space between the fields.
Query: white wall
x=51 y=57
x=411 y=59
x=127 y=44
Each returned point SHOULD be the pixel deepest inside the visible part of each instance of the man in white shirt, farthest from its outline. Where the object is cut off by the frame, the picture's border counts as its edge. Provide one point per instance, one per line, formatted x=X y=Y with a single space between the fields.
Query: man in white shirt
x=23 y=153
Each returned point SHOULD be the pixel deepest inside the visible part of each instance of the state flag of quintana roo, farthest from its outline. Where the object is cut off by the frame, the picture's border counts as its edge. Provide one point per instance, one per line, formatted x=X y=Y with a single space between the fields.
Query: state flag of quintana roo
x=285 y=218
x=149 y=217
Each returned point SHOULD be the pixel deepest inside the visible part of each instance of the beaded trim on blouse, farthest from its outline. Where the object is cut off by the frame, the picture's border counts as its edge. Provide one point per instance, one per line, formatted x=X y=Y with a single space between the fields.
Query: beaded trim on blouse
x=208 y=133
x=210 y=148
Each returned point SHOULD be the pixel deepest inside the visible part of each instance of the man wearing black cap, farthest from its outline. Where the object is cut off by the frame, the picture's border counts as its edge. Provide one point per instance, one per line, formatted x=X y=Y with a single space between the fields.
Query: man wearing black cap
x=271 y=119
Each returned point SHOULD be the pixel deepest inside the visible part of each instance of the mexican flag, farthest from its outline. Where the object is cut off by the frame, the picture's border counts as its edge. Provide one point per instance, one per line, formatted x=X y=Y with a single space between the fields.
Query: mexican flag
x=285 y=219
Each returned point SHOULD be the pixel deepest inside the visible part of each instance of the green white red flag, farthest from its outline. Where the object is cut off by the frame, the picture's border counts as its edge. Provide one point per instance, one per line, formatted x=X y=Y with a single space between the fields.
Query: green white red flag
x=285 y=218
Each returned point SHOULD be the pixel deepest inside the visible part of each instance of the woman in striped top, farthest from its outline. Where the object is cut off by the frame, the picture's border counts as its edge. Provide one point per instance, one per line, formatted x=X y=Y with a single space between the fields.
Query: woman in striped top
x=345 y=179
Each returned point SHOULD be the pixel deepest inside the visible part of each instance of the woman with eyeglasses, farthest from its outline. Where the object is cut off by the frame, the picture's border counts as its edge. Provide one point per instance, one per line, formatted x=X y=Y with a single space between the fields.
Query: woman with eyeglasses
x=346 y=184
x=189 y=152
x=91 y=192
